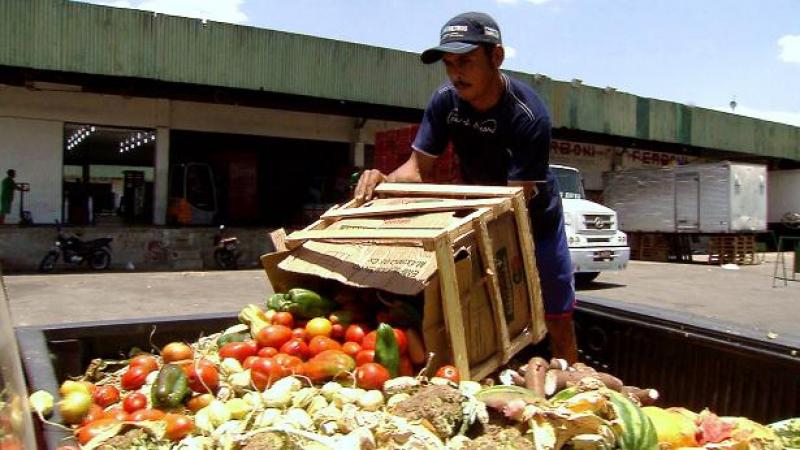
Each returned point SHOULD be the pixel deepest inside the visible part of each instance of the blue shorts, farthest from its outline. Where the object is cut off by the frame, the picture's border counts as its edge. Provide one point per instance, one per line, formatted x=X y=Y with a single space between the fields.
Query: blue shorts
x=555 y=271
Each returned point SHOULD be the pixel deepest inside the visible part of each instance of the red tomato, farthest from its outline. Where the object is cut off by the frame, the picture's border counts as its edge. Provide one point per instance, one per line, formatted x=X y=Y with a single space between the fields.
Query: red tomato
x=283 y=318
x=176 y=351
x=406 y=368
x=296 y=347
x=299 y=333
x=134 y=402
x=248 y=362
x=371 y=376
x=368 y=343
x=402 y=340
x=147 y=361
x=95 y=412
x=264 y=372
x=203 y=376
x=355 y=333
x=319 y=344
x=199 y=402
x=134 y=378
x=87 y=432
x=146 y=414
x=450 y=373
x=351 y=348
x=106 y=396
x=290 y=364
x=274 y=336
x=178 y=426
x=237 y=350
x=268 y=352
x=337 y=331
x=116 y=413
x=364 y=357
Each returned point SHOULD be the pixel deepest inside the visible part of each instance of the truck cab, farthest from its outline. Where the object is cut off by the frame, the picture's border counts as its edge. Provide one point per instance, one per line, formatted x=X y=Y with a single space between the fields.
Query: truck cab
x=595 y=242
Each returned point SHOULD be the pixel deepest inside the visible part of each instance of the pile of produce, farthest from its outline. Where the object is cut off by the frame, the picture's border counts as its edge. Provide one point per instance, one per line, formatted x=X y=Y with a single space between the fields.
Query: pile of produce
x=308 y=372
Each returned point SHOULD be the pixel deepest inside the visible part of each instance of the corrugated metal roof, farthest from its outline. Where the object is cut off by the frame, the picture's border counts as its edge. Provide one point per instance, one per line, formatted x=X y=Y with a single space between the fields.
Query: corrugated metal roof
x=75 y=37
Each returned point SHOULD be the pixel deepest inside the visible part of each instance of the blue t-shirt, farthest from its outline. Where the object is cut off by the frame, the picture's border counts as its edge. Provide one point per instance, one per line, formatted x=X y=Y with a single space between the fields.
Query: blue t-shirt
x=509 y=142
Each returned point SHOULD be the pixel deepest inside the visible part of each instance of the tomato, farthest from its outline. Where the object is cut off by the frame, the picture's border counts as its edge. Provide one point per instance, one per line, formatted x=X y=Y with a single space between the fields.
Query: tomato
x=178 y=426
x=203 y=375
x=116 y=413
x=406 y=368
x=355 y=333
x=264 y=372
x=351 y=348
x=364 y=357
x=299 y=333
x=176 y=351
x=268 y=352
x=199 y=402
x=134 y=378
x=296 y=347
x=371 y=376
x=449 y=372
x=337 y=331
x=134 y=402
x=283 y=318
x=95 y=412
x=106 y=396
x=368 y=343
x=321 y=343
x=237 y=350
x=290 y=364
x=319 y=326
x=145 y=360
x=146 y=414
x=273 y=336
x=87 y=432
x=402 y=340
x=248 y=362
x=71 y=386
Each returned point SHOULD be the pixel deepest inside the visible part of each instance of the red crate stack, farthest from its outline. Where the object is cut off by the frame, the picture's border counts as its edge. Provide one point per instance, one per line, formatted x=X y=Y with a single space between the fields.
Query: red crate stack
x=393 y=147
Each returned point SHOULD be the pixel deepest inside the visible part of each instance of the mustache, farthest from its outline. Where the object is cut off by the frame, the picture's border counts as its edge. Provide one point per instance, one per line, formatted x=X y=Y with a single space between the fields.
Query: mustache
x=461 y=84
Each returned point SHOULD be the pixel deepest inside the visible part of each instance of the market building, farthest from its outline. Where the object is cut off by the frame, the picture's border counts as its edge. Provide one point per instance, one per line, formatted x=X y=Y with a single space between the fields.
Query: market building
x=154 y=128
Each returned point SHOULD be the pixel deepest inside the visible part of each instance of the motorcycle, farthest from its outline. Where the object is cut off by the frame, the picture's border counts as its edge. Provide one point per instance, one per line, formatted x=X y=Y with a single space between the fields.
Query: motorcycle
x=96 y=253
x=226 y=253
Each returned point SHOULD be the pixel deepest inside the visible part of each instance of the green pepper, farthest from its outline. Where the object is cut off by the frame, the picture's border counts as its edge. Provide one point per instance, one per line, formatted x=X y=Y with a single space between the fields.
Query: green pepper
x=233 y=337
x=171 y=387
x=387 y=352
x=302 y=303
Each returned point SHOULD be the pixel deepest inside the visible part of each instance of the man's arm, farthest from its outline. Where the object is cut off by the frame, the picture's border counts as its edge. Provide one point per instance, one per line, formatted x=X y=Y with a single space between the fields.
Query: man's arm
x=417 y=168
x=528 y=187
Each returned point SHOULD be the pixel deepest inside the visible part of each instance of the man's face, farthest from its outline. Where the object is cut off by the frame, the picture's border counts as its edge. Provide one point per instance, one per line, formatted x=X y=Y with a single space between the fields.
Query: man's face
x=470 y=73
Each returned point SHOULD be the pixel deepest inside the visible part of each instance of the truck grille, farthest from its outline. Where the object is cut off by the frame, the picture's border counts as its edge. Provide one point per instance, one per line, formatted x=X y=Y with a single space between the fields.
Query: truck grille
x=598 y=222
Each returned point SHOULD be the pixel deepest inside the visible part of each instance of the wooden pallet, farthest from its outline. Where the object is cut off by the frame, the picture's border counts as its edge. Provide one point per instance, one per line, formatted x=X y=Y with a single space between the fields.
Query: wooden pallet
x=479 y=206
x=664 y=247
x=732 y=249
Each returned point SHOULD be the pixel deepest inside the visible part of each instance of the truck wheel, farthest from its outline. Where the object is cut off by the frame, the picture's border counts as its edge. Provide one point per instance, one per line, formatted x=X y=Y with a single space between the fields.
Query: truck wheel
x=584 y=278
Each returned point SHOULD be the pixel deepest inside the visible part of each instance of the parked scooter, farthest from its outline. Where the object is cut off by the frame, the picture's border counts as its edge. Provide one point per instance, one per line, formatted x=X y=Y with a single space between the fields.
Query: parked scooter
x=96 y=253
x=226 y=253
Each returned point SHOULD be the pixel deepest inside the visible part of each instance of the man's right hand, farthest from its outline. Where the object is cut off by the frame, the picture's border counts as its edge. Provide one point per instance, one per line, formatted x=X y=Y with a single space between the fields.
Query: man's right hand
x=367 y=183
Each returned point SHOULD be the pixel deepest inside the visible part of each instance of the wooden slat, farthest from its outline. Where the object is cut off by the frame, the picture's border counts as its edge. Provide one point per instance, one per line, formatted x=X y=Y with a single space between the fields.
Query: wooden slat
x=451 y=304
x=447 y=205
x=538 y=327
x=465 y=225
x=493 y=288
x=447 y=190
x=395 y=235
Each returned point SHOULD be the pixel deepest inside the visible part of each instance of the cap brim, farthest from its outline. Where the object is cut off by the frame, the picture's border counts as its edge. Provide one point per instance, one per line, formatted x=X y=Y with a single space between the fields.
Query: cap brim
x=435 y=54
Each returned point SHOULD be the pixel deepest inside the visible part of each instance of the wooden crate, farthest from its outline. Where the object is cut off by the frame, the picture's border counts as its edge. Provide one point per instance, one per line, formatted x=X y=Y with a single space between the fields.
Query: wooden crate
x=736 y=249
x=483 y=303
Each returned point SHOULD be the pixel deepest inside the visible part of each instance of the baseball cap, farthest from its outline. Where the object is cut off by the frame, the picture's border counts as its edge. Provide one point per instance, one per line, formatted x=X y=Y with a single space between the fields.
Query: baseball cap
x=462 y=34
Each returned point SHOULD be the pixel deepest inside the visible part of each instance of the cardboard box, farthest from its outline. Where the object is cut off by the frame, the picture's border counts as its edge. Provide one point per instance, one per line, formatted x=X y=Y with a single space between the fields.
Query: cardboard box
x=469 y=262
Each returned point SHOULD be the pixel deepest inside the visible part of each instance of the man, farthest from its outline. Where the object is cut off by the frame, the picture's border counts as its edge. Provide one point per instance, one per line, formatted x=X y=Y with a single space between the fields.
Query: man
x=500 y=130
x=7 y=194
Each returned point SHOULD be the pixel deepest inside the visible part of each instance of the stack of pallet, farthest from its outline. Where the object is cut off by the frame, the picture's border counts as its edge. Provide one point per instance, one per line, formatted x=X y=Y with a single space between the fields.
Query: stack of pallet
x=733 y=248
x=649 y=246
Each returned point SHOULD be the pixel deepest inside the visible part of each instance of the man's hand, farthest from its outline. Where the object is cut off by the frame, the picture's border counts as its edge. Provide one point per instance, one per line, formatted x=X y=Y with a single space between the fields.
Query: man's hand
x=367 y=183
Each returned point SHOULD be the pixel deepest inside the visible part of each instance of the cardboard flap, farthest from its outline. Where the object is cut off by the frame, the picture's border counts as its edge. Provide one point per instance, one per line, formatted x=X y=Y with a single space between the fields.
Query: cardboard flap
x=403 y=270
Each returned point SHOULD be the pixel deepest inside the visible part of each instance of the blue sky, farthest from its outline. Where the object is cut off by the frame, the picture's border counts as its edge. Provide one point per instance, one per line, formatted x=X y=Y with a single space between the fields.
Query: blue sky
x=702 y=52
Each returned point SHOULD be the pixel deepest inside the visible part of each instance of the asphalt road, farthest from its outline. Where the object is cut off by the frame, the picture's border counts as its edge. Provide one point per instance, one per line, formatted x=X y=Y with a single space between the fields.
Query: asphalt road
x=744 y=297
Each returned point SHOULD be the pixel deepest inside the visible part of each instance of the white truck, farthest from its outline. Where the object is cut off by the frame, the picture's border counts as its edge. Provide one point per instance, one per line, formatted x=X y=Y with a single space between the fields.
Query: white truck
x=595 y=242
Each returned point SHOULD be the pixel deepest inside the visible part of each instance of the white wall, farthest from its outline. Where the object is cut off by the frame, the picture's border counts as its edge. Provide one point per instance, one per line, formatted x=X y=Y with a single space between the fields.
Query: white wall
x=33 y=149
x=783 y=193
